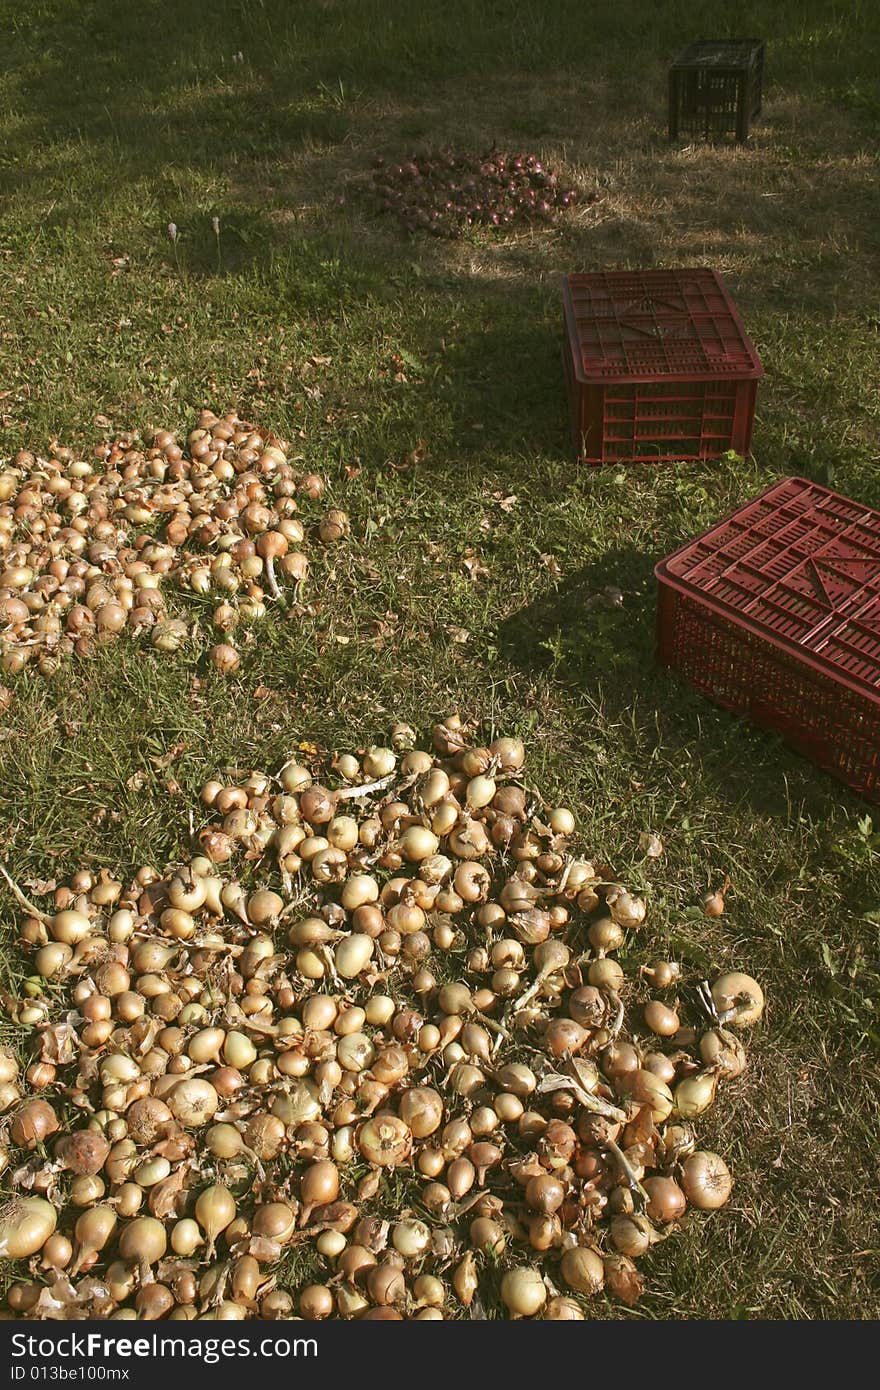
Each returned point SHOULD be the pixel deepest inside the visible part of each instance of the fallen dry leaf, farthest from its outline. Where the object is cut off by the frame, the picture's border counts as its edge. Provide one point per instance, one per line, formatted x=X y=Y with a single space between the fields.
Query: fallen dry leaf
x=41 y=885
x=166 y=759
x=651 y=845
x=552 y=564
x=415 y=455
x=474 y=567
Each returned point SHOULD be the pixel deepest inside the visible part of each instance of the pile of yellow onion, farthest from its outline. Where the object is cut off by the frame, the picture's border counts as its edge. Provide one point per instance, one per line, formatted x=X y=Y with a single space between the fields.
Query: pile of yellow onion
x=367 y=1053
x=90 y=548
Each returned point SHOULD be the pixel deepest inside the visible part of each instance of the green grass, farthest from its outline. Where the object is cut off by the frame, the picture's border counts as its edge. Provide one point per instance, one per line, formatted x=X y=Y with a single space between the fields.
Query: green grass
x=115 y=121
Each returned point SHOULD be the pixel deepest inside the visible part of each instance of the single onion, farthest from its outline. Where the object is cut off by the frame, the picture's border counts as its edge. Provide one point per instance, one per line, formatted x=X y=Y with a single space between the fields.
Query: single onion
x=143 y=1239
x=385 y=1140
x=582 y=1270
x=666 y=1201
x=224 y=658
x=695 y=1094
x=25 y=1225
x=94 y=1228
x=214 y=1210
x=85 y=1152
x=741 y=995
x=33 y=1124
x=523 y=1291
x=193 y=1102
x=562 y=1309
x=723 y=1052
x=706 y=1180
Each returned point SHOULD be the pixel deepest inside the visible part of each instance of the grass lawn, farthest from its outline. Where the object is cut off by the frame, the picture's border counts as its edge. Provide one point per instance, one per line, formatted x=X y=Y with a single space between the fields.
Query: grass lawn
x=321 y=322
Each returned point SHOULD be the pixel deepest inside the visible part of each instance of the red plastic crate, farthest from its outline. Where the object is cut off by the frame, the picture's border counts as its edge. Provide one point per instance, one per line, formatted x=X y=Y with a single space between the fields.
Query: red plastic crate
x=775 y=613
x=657 y=365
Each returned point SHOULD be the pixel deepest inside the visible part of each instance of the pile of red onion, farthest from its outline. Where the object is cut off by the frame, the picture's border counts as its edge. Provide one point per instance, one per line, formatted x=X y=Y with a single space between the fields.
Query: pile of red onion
x=446 y=192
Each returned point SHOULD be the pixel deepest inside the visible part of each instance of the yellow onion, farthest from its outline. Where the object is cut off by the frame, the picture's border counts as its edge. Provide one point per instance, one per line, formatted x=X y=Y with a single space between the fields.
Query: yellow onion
x=186 y=1237
x=319 y=1185
x=723 y=1052
x=143 y=1239
x=26 y=1223
x=666 y=1200
x=647 y=1089
x=421 y=1108
x=740 y=995
x=385 y=1140
x=69 y=926
x=193 y=1102
x=582 y=1270
x=562 y=1309
x=695 y=1094
x=706 y=1180
x=353 y=955
x=523 y=1291
x=33 y=1123
x=214 y=1210
x=94 y=1228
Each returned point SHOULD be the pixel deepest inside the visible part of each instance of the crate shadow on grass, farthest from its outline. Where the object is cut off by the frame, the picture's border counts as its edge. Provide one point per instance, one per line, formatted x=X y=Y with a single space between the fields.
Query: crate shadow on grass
x=595 y=634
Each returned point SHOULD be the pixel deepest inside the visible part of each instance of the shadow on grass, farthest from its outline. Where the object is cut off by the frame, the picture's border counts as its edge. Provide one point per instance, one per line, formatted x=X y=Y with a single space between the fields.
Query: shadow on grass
x=266 y=114
x=595 y=633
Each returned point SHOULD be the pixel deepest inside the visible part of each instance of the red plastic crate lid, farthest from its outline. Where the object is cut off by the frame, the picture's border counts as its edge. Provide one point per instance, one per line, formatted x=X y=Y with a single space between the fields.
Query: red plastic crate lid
x=641 y=325
x=800 y=567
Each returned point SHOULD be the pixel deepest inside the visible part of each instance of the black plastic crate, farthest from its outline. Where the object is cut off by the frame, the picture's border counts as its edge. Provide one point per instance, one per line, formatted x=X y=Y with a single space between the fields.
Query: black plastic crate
x=715 y=88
